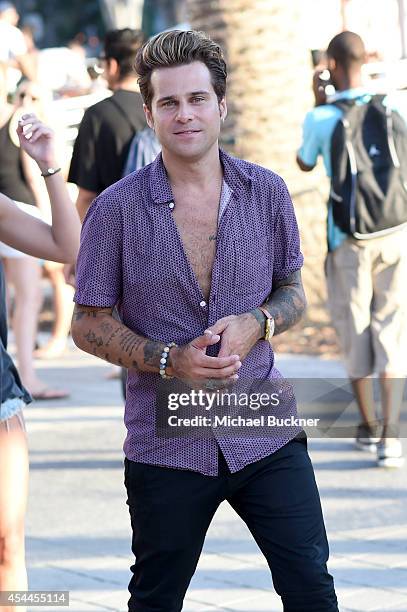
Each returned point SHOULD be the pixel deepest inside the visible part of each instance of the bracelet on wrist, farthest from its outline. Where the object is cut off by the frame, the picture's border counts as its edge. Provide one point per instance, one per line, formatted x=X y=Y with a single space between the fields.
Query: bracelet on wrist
x=50 y=172
x=164 y=361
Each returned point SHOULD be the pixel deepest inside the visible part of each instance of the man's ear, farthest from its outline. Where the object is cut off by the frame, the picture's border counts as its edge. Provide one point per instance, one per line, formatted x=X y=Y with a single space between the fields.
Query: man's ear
x=113 y=66
x=223 y=109
x=149 y=116
x=331 y=64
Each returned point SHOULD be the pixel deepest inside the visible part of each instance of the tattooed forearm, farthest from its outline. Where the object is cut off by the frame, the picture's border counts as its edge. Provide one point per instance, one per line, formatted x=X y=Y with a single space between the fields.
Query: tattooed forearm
x=81 y=314
x=287 y=303
x=93 y=339
x=152 y=353
x=95 y=331
x=129 y=342
x=112 y=336
x=259 y=316
x=106 y=327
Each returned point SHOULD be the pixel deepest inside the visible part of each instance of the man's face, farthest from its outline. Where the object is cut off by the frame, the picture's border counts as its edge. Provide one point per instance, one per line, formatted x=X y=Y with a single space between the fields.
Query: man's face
x=185 y=112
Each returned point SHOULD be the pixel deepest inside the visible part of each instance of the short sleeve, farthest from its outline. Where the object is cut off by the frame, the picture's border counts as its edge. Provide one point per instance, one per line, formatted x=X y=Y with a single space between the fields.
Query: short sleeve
x=84 y=170
x=99 y=263
x=287 y=254
x=310 y=147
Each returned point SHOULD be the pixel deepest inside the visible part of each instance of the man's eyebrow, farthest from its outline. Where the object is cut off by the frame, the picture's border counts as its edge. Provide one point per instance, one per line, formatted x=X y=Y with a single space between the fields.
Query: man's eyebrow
x=192 y=93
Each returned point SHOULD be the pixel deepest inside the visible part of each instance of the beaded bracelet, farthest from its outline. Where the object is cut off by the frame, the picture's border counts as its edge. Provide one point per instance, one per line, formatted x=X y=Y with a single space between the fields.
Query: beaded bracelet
x=164 y=359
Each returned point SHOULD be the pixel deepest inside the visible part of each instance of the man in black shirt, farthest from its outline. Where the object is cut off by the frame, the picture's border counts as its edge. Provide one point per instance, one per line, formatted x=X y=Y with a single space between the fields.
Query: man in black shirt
x=108 y=127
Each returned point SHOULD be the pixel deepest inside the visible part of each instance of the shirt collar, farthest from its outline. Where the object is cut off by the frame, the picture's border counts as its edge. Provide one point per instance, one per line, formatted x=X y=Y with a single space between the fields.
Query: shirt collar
x=348 y=94
x=235 y=175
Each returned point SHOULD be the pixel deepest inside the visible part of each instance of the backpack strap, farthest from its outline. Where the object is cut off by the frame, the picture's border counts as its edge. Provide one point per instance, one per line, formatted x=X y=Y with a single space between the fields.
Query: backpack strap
x=344 y=104
x=122 y=112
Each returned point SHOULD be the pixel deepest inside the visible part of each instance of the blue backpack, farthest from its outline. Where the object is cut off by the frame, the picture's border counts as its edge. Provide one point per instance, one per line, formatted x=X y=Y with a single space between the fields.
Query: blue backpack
x=143 y=150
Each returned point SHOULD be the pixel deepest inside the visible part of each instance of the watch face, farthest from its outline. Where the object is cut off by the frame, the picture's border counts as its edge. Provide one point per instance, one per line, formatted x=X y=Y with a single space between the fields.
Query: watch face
x=272 y=326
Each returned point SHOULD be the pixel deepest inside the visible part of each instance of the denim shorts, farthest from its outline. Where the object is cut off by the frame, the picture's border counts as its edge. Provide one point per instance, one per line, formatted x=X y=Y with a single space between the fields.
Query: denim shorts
x=11 y=407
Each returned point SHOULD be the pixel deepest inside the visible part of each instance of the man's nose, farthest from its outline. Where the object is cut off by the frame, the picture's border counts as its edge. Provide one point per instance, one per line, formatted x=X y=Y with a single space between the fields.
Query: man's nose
x=184 y=113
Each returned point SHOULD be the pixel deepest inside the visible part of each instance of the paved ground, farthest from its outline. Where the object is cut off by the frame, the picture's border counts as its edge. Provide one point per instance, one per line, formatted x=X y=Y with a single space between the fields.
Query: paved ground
x=78 y=528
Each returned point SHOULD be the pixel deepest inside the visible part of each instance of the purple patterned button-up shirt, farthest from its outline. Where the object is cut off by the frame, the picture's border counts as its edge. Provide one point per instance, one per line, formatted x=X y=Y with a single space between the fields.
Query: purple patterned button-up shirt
x=132 y=256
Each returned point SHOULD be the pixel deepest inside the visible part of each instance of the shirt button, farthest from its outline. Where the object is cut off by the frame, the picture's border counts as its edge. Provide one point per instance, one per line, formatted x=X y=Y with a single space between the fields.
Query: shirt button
x=202 y=304
x=171 y=205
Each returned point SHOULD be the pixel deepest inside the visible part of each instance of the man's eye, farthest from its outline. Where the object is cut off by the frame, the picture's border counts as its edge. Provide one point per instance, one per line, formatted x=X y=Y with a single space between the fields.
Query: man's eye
x=198 y=99
x=169 y=103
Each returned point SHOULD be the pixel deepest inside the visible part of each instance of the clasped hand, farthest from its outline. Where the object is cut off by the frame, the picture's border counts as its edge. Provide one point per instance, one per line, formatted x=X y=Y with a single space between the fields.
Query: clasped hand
x=237 y=335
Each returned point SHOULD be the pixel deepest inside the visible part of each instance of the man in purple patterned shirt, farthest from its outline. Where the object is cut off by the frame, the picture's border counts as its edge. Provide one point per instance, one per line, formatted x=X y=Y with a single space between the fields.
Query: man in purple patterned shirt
x=200 y=252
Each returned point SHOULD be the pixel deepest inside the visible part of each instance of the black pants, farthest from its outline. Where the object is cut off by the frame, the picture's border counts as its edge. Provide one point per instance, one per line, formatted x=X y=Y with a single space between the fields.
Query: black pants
x=276 y=497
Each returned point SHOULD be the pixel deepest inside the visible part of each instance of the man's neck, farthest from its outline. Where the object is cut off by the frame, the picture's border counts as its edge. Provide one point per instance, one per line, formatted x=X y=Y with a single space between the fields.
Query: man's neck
x=350 y=81
x=129 y=84
x=197 y=173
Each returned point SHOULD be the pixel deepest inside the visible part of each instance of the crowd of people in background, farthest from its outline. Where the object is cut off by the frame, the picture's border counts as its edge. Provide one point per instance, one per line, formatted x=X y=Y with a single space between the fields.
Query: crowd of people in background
x=31 y=80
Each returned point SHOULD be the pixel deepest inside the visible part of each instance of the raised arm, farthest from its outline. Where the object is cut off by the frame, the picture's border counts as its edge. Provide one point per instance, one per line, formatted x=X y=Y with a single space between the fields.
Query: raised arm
x=60 y=241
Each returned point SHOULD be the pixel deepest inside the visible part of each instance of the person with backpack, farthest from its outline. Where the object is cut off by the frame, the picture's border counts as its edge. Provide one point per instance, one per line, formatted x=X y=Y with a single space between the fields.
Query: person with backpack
x=107 y=143
x=108 y=127
x=362 y=139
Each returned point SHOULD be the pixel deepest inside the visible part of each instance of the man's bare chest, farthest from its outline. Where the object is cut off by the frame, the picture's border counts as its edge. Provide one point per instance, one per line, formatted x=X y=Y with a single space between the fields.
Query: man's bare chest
x=197 y=227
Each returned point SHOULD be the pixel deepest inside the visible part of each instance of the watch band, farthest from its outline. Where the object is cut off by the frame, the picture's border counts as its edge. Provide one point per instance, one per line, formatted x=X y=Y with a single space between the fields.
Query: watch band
x=50 y=172
x=269 y=323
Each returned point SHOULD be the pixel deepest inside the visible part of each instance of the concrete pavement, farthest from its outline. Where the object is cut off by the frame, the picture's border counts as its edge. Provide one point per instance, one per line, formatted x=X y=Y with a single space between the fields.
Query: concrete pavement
x=78 y=533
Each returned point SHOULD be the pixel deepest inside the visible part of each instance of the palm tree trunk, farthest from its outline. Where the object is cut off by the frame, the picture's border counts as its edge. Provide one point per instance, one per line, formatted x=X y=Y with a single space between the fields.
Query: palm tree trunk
x=269 y=93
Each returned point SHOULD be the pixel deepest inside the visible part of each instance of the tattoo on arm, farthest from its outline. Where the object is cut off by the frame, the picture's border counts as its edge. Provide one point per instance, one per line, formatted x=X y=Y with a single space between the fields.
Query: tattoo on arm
x=260 y=318
x=152 y=353
x=287 y=302
x=130 y=342
x=93 y=339
x=95 y=330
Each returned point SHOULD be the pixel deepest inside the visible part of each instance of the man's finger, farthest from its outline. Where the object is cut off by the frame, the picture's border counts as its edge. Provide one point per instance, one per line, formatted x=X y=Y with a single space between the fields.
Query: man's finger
x=205 y=361
x=225 y=349
x=221 y=373
x=219 y=326
x=207 y=339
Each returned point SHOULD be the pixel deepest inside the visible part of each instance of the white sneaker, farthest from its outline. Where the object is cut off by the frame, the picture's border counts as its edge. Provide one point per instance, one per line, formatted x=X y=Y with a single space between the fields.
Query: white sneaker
x=366 y=438
x=390 y=453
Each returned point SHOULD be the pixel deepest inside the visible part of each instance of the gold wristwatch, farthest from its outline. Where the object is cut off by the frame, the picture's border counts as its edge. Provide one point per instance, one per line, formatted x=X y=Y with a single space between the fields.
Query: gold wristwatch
x=269 y=324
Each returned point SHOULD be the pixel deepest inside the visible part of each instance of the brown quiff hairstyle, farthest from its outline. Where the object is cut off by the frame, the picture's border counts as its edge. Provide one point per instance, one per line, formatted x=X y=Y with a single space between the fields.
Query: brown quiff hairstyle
x=175 y=48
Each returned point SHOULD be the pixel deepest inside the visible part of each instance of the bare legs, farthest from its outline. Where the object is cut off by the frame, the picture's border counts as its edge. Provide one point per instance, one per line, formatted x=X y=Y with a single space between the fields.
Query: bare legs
x=63 y=308
x=363 y=390
x=24 y=274
x=391 y=400
x=13 y=502
x=392 y=397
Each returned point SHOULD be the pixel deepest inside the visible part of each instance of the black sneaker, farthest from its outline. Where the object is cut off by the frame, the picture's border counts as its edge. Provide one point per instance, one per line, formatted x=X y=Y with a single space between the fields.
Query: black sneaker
x=366 y=438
